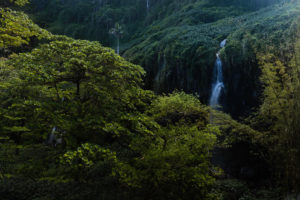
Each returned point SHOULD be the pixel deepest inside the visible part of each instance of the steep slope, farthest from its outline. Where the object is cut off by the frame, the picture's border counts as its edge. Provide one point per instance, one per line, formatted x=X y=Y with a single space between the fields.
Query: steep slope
x=183 y=56
x=176 y=41
x=91 y=19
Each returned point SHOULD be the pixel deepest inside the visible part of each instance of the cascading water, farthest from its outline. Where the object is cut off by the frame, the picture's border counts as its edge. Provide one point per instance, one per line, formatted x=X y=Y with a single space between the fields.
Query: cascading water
x=223 y=43
x=218 y=84
x=51 y=138
x=148 y=4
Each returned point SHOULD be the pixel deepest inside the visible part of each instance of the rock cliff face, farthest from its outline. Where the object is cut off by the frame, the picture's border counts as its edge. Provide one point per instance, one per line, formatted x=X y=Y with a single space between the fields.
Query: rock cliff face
x=177 y=41
x=182 y=57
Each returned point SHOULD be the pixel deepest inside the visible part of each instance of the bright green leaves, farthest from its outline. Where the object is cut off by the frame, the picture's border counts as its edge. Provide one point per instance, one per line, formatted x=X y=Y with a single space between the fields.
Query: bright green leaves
x=79 y=61
x=94 y=99
x=178 y=106
x=83 y=88
x=19 y=2
x=280 y=114
x=87 y=157
x=280 y=87
x=17 y=29
x=17 y=129
x=13 y=3
x=86 y=91
x=174 y=160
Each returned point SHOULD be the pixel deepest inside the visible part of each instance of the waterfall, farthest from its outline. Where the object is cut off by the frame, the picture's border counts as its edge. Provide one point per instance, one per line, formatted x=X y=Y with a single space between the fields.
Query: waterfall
x=118 y=46
x=55 y=137
x=51 y=138
x=223 y=43
x=148 y=4
x=218 y=84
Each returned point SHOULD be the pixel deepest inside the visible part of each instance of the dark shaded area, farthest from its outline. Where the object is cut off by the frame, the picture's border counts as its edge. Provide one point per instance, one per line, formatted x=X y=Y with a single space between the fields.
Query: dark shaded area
x=242 y=161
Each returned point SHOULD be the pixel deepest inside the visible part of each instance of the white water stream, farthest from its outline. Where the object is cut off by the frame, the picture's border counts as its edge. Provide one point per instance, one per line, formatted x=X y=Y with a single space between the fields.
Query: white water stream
x=218 y=84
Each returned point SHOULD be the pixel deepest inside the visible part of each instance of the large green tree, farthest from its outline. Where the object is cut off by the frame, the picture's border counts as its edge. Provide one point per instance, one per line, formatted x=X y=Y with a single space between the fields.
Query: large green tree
x=80 y=87
x=279 y=113
x=94 y=99
x=173 y=162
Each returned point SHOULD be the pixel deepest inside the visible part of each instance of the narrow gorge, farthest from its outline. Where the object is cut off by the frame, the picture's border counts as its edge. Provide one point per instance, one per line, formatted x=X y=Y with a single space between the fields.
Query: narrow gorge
x=218 y=84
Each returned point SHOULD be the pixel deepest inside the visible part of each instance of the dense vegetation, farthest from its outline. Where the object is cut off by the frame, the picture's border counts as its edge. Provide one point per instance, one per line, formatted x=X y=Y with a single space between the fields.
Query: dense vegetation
x=78 y=121
x=176 y=41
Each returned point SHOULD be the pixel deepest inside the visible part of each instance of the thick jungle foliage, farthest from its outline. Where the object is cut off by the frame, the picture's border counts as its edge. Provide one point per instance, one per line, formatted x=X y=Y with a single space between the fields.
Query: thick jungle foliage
x=74 y=116
x=112 y=132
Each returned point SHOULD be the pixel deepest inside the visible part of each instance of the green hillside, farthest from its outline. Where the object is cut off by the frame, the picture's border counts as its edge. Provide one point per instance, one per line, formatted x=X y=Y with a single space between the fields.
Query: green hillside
x=183 y=56
x=176 y=41
x=149 y=99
